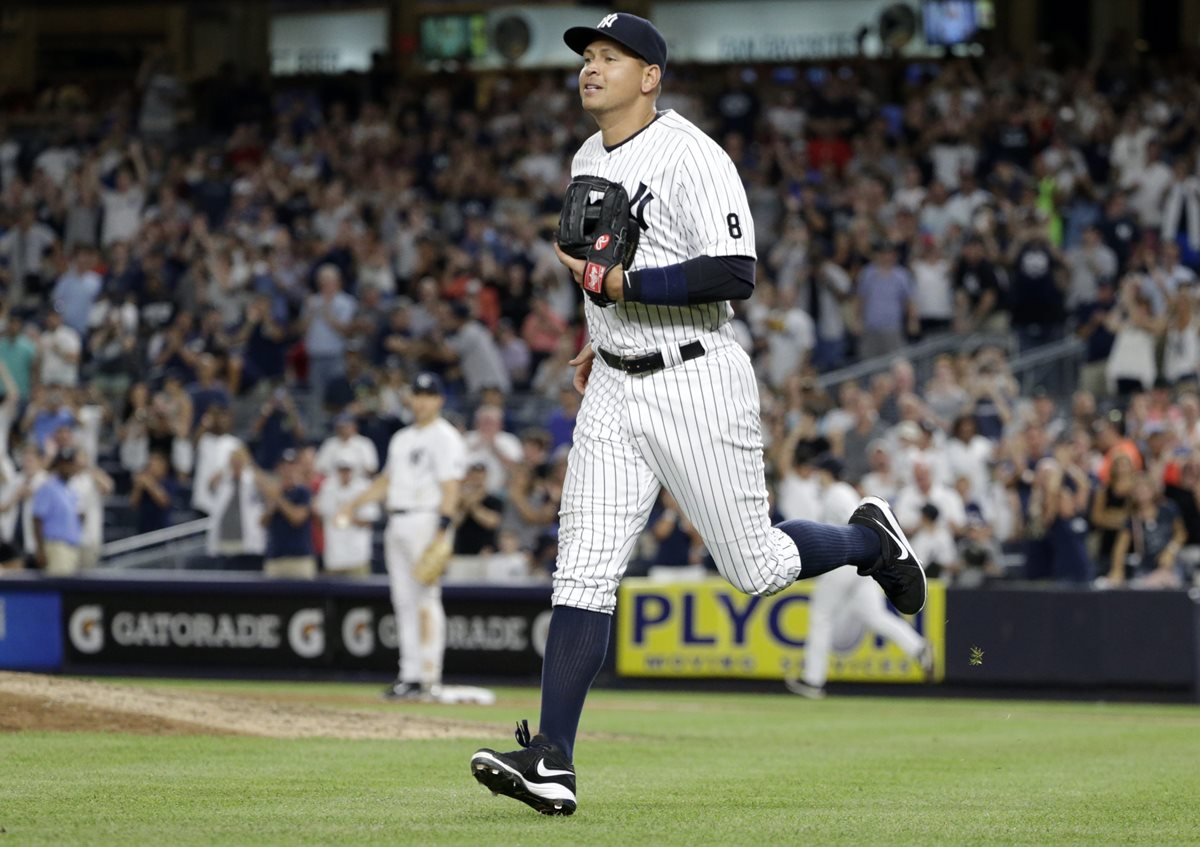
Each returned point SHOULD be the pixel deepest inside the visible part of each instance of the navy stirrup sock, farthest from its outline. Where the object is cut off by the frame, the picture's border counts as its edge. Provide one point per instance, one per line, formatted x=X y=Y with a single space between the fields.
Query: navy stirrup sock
x=575 y=648
x=824 y=547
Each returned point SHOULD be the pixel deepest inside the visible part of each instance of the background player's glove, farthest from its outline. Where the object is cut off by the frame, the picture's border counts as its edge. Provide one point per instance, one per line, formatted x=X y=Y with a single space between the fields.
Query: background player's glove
x=595 y=225
x=433 y=562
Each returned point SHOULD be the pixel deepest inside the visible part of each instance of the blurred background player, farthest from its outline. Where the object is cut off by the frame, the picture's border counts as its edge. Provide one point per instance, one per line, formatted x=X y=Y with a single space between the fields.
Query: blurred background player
x=422 y=479
x=841 y=596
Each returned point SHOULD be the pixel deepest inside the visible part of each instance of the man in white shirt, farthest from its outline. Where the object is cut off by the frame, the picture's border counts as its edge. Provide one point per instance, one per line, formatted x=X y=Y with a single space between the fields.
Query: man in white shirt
x=489 y=445
x=23 y=250
x=347 y=537
x=59 y=348
x=923 y=489
x=214 y=446
x=123 y=204
x=1150 y=185
x=347 y=447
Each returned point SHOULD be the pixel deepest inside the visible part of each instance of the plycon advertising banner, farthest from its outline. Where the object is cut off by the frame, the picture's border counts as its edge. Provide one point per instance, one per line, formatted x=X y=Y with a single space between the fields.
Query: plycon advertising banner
x=710 y=630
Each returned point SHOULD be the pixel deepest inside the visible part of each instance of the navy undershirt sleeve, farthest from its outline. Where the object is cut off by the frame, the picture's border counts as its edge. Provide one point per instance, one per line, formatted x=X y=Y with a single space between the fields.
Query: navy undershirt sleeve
x=705 y=279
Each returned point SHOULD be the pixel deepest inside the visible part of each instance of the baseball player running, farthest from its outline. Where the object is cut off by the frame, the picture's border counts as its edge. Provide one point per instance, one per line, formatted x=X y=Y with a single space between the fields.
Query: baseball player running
x=670 y=399
x=841 y=596
x=425 y=466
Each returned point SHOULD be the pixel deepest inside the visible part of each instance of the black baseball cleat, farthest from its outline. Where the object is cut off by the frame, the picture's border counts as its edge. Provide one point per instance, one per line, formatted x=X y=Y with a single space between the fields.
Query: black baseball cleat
x=897 y=570
x=538 y=775
x=406 y=692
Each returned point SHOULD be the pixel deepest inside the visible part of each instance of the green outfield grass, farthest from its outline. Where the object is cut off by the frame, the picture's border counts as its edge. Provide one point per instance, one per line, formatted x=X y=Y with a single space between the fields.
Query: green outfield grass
x=672 y=769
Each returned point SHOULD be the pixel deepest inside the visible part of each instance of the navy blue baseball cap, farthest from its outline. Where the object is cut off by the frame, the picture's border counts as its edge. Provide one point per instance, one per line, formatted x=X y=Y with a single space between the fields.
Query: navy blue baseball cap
x=428 y=383
x=636 y=34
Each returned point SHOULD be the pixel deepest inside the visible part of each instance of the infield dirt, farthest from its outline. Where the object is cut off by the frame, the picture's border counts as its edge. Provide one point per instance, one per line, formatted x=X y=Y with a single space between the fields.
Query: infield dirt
x=31 y=702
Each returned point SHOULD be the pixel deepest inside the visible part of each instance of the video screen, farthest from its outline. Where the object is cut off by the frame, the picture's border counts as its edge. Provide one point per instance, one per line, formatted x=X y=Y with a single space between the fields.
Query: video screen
x=950 y=22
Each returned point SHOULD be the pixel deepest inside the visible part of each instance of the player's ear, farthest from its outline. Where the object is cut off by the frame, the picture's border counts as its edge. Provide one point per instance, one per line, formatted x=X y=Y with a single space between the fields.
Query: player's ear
x=651 y=77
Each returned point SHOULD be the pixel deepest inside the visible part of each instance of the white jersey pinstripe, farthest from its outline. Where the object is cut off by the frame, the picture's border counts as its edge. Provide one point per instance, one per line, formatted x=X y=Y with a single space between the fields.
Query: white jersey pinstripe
x=694 y=426
x=687 y=192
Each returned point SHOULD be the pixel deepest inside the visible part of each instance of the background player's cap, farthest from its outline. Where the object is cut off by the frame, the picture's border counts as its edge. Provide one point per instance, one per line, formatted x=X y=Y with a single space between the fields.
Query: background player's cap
x=428 y=383
x=637 y=34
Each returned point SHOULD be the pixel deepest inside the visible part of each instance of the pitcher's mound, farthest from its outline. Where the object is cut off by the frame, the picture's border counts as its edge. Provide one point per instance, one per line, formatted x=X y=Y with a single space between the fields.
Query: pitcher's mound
x=31 y=702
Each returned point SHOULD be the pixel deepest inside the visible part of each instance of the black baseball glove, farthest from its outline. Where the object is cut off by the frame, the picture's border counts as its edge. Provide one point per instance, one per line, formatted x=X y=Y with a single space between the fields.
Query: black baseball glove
x=595 y=225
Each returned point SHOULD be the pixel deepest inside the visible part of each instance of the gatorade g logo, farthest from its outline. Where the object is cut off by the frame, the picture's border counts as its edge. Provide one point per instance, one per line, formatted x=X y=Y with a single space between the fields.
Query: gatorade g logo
x=358 y=632
x=306 y=633
x=602 y=241
x=86 y=629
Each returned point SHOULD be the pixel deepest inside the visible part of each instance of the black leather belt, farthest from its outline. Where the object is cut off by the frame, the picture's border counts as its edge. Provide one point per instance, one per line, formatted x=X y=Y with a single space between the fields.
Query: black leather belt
x=651 y=362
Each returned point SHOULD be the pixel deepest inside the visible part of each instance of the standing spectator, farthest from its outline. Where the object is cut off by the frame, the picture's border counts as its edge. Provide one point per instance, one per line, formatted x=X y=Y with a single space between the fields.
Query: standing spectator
x=1037 y=295
x=215 y=444
x=124 y=202
x=1148 y=545
x=468 y=344
x=489 y=445
x=91 y=486
x=925 y=489
x=346 y=447
x=153 y=495
x=886 y=304
x=1111 y=506
x=790 y=336
x=1132 y=364
x=326 y=321
x=18 y=352
x=23 y=252
x=1055 y=526
x=1094 y=326
x=482 y=510
x=235 y=527
x=933 y=295
x=1149 y=186
x=347 y=537
x=977 y=295
x=207 y=391
x=279 y=427
x=59 y=351
x=76 y=289
x=1181 y=352
x=968 y=454
x=56 y=526
x=260 y=348
x=1181 y=209
x=830 y=287
x=1090 y=264
x=287 y=517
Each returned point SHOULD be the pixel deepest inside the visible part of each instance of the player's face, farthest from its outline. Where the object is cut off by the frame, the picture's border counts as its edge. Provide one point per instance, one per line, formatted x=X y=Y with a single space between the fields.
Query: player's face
x=425 y=407
x=611 y=78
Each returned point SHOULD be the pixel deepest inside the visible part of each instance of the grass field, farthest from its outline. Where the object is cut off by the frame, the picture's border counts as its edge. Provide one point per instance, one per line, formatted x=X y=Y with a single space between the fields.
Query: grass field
x=658 y=769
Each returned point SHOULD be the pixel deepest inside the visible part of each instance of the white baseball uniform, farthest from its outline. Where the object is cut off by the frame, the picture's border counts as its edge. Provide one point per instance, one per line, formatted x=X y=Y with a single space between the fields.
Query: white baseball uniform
x=841 y=595
x=419 y=460
x=693 y=426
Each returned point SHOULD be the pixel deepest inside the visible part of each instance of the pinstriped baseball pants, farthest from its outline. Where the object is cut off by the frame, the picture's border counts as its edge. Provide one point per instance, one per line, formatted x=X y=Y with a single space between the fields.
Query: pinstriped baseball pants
x=693 y=428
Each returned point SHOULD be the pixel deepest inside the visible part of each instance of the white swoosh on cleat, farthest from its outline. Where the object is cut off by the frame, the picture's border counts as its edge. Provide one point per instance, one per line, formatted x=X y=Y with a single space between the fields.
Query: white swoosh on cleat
x=903 y=547
x=542 y=770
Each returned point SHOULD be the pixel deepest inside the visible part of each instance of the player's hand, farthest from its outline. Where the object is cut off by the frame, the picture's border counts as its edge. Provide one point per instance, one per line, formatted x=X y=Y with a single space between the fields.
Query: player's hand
x=614 y=280
x=582 y=363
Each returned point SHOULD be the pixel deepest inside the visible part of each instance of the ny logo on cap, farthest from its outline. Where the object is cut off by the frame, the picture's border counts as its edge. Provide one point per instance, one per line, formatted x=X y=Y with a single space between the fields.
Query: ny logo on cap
x=608 y=21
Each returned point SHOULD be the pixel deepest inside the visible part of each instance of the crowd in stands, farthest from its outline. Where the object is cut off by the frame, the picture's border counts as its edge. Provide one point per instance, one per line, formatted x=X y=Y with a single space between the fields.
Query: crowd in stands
x=213 y=311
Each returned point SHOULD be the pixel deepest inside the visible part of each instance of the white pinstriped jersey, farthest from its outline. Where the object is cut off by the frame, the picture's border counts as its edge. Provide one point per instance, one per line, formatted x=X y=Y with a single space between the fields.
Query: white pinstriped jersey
x=688 y=201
